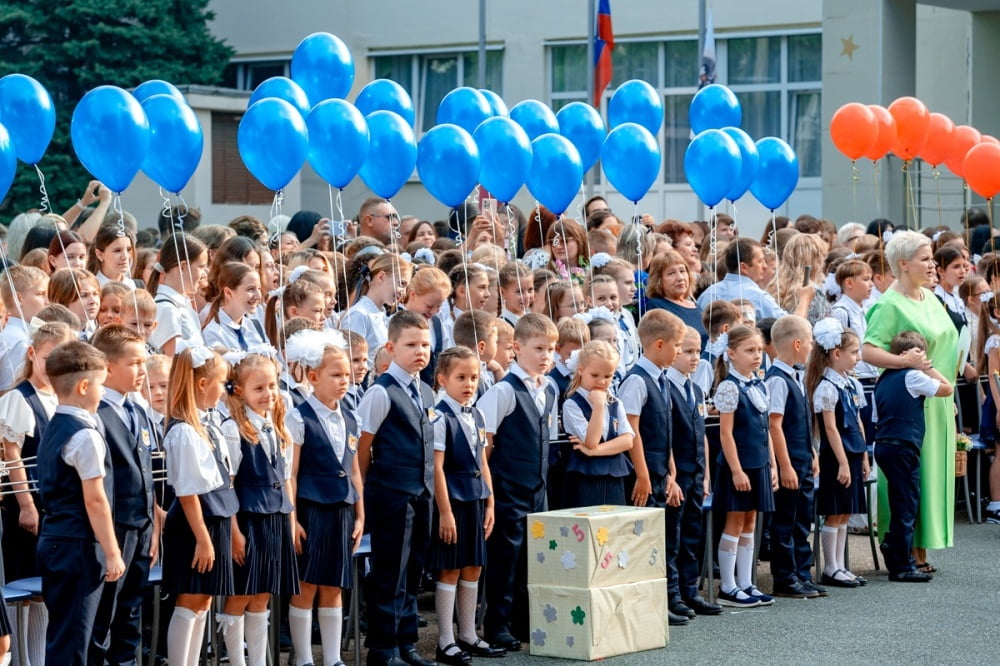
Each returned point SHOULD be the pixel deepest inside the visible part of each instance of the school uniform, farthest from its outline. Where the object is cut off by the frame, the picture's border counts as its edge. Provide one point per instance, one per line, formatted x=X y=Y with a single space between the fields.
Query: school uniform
x=369 y=321
x=899 y=405
x=175 y=318
x=684 y=523
x=262 y=470
x=296 y=392
x=852 y=317
x=520 y=415
x=595 y=480
x=447 y=317
x=204 y=468
x=843 y=396
x=103 y=279
x=704 y=375
x=437 y=346
x=224 y=332
x=70 y=559
x=561 y=376
x=746 y=399
x=14 y=343
x=645 y=394
x=399 y=488
x=988 y=420
x=460 y=433
x=627 y=342
x=352 y=398
x=129 y=437
x=326 y=495
x=794 y=510
x=510 y=317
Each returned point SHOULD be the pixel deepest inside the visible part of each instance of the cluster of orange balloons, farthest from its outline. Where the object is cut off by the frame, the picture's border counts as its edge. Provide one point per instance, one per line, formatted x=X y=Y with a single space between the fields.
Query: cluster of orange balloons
x=908 y=130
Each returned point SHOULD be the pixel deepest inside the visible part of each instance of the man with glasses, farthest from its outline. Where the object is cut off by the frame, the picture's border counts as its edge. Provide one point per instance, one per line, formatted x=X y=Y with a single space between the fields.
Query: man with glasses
x=378 y=219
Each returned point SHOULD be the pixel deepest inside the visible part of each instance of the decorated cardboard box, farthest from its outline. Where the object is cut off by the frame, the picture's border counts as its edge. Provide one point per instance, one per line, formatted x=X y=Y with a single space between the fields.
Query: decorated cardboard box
x=596 y=546
x=593 y=623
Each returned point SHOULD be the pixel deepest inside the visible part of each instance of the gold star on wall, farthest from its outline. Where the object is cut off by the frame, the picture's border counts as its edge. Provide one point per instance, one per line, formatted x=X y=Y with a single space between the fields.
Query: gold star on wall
x=849 y=47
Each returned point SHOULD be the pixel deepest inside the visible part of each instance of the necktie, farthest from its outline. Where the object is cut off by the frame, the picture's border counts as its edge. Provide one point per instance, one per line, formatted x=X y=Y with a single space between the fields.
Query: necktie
x=131 y=419
x=268 y=433
x=663 y=383
x=415 y=395
x=466 y=409
x=240 y=338
x=689 y=392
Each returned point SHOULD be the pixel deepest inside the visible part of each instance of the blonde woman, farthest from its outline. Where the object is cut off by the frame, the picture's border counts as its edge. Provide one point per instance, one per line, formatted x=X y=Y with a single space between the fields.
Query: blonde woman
x=802 y=252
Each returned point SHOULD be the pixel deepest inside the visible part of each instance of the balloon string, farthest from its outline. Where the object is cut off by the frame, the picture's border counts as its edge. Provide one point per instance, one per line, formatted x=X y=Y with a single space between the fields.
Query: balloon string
x=876 y=171
x=855 y=177
x=911 y=202
x=279 y=198
x=44 y=205
x=773 y=243
x=937 y=185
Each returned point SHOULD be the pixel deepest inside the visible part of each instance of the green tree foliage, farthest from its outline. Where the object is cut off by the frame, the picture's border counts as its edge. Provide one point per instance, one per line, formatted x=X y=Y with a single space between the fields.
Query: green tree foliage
x=72 y=46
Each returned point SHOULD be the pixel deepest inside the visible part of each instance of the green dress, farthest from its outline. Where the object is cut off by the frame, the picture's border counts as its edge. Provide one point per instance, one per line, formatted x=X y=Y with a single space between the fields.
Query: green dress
x=891 y=314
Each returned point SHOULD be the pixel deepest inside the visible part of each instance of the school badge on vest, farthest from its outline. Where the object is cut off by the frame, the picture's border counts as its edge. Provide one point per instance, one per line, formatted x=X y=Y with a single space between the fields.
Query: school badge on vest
x=147 y=441
x=482 y=435
x=352 y=443
x=431 y=414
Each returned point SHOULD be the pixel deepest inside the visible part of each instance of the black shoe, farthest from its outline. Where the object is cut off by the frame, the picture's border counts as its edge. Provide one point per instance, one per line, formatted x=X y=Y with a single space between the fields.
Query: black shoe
x=481 y=649
x=456 y=657
x=795 y=590
x=836 y=582
x=506 y=641
x=861 y=580
x=678 y=607
x=910 y=577
x=421 y=621
x=413 y=658
x=677 y=620
x=702 y=607
x=818 y=589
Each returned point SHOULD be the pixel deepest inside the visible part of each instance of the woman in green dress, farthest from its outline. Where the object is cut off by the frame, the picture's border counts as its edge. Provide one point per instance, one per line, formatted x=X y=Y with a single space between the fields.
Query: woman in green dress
x=909 y=306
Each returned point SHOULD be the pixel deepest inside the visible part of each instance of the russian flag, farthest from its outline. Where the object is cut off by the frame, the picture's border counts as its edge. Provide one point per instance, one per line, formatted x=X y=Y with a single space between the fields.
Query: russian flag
x=604 y=42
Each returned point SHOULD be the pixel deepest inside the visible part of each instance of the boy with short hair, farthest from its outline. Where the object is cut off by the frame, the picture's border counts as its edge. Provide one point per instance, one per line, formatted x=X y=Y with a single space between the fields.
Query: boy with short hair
x=140 y=314
x=573 y=334
x=519 y=412
x=24 y=291
x=517 y=291
x=357 y=348
x=790 y=424
x=882 y=276
x=77 y=547
x=477 y=330
x=603 y=291
x=505 y=345
x=899 y=406
x=396 y=456
x=717 y=319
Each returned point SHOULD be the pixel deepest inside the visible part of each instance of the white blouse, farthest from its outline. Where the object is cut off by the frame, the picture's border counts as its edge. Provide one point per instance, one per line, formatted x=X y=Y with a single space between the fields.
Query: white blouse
x=17 y=419
x=231 y=431
x=191 y=466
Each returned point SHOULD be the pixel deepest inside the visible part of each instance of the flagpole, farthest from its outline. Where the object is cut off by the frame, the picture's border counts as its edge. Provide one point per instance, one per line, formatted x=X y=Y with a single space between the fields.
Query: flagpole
x=591 y=28
x=482 y=44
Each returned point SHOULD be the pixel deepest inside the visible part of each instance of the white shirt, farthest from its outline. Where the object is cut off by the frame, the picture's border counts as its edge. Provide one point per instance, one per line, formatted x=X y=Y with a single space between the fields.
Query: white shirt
x=851 y=316
x=498 y=403
x=86 y=449
x=826 y=397
x=510 y=317
x=727 y=396
x=632 y=393
x=627 y=341
x=368 y=320
x=222 y=332
x=575 y=424
x=191 y=466
x=375 y=403
x=175 y=318
x=467 y=421
x=918 y=383
x=17 y=419
x=331 y=420
x=103 y=279
x=14 y=343
x=231 y=432
x=777 y=389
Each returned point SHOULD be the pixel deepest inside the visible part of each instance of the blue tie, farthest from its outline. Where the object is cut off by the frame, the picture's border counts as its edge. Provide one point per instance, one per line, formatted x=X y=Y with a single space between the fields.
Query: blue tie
x=133 y=422
x=241 y=338
x=689 y=390
x=663 y=383
x=415 y=395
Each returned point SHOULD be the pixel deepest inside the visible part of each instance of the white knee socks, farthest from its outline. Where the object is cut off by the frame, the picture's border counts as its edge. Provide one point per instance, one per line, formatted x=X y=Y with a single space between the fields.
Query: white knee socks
x=231 y=628
x=256 y=637
x=179 y=634
x=842 y=546
x=331 y=624
x=197 y=638
x=831 y=559
x=727 y=562
x=300 y=627
x=468 y=598
x=444 y=604
x=744 y=561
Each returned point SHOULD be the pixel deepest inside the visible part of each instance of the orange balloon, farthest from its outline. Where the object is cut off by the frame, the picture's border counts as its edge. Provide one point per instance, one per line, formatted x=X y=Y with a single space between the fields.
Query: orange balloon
x=982 y=169
x=853 y=129
x=886 y=133
x=940 y=138
x=964 y=139
x=990 y=139
x=912 y=122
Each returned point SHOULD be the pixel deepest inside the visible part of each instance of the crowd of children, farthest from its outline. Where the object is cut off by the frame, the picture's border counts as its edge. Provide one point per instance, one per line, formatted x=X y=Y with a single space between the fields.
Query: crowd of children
x=295 y=400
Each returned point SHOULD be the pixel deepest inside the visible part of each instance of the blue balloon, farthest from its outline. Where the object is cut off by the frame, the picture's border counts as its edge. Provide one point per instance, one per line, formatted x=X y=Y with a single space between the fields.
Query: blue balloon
x=714 y=107
x=630 y=158
x=712 y=164
x=448 y=164
x=322 y=65
x=507 y=151
x=273 y=142
x=536 y=118
x=8 y=162
x=582 y=125
x=777 y=173
x=556 y=172
x=748 y=162
x=29 y=115
x=391 y=156
x=175 y=142
x=385 y=95
x=147 y=89
x=284 y=88
x=110 y=135
x=465 y=107
x=636 y=101
x=497 y=105
x=338 y=141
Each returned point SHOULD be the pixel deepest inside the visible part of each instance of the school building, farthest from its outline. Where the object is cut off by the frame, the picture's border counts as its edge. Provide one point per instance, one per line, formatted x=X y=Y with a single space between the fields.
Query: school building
x=792 y=63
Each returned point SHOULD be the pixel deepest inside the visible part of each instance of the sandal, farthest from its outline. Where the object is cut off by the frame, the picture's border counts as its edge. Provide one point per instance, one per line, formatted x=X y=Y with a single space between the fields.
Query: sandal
x=926 y=567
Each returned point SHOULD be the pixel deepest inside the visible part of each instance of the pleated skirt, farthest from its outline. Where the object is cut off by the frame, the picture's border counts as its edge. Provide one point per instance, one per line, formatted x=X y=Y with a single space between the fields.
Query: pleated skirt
x=586 y=490
x=760 y=497
x=327 y=549
x=178 y=553
x=469 y=549
x=832 y=498
x=19 y=545
x=270 y=566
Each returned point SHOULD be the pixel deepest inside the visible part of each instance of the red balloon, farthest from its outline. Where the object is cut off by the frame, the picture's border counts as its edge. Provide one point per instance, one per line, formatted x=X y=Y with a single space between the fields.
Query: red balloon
x=990 y=139
x=853 y=129
x=982 y=169
x=940 y=139
x=964 y=139
x=912 y=122
x=886 y=133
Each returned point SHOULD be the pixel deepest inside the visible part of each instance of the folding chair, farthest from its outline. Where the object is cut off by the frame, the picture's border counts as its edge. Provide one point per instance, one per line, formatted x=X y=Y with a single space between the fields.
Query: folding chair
x=361 y=555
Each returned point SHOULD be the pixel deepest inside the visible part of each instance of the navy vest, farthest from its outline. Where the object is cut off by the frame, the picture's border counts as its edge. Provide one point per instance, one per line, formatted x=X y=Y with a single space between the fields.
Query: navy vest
x=616 y=465
x=848 y=425
x=322 y=478
x=654 y=425
x=900 y=415
x=687 y=431
x=427 y=374
x=462 y=468
x=260 y=480
x=797 y=422
x=59 y=484
x=751 y=430
x=132 y=464
x=221 y=502
x=352 y=398
x=403 y=447
x=521 y=444
x=294 y=393
x=29 y=449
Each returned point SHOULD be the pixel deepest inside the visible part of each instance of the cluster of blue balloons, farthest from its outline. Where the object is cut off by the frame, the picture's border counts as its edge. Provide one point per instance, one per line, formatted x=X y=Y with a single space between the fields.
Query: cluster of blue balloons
x=28 y=119
x=723 y=162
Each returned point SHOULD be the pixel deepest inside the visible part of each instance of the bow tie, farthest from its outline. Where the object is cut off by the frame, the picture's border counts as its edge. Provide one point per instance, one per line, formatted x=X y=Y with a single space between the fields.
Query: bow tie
x=466 y=409
x=801 y=367
x=756 y=381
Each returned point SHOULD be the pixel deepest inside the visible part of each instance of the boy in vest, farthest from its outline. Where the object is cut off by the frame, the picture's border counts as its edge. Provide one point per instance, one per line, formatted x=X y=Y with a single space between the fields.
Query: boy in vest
x=790 y=423
x=477 y=330
x=77 y=548
x=517 y=291
x=396 y=456
x=573 y=334
x=899 y=413
x=520 y=421
x=645 y=394
x=717 y=318
x=129 y=435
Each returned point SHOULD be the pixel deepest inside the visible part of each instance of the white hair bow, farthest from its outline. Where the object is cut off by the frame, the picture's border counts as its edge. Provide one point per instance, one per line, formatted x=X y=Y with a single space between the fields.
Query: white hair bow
x=308 y=346
x=986 y=296
x=719 y=346
x=600 y=260
x=199 y=353
x=297 y=273
x=236 y=357
x=426 y=255
x=830 y=285
x=600 y=312
x=34 y=325
x=828 y=333
x=573 y=361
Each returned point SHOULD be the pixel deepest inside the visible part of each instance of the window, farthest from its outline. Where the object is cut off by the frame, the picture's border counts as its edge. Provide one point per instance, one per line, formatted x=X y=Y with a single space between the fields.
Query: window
x=428 y=77
x=231 y=182
x=248 y=75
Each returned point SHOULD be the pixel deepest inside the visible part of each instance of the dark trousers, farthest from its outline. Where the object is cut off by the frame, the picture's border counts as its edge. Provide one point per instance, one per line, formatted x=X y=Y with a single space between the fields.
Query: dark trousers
x=684 y=533
x=791 y=554
x=117 y=632
x=400 y=526
x=72 y=580
x=900 y=463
